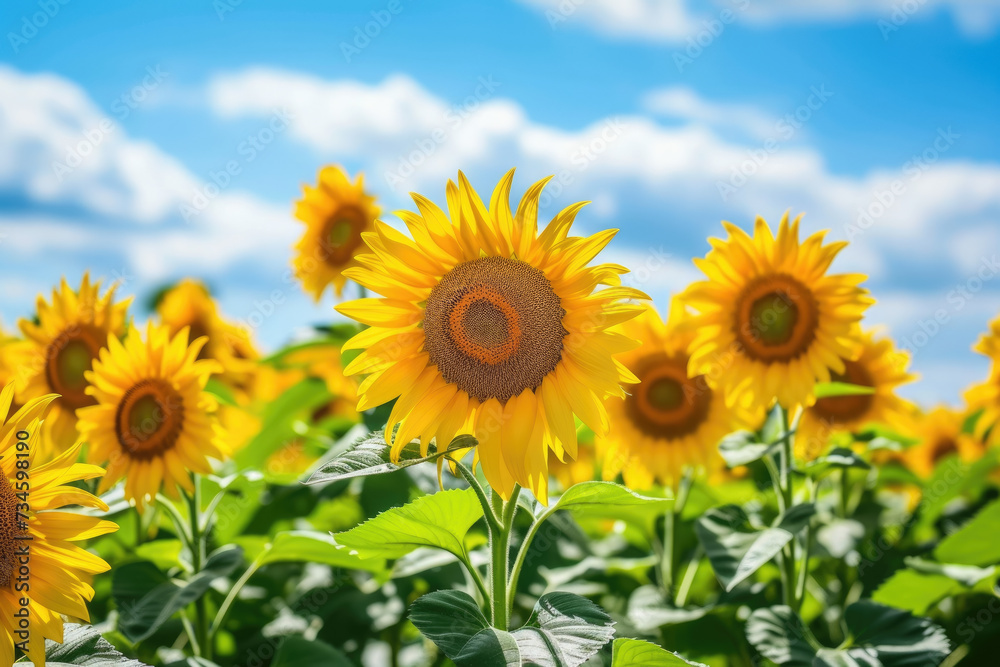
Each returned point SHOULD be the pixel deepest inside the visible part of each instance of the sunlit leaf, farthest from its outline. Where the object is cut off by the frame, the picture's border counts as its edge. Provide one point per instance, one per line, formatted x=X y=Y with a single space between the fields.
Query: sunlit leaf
x=833 y=389
x=637 y=653
x=736 y=549
x=607 y=500
x=439 y=520
x=369 y=455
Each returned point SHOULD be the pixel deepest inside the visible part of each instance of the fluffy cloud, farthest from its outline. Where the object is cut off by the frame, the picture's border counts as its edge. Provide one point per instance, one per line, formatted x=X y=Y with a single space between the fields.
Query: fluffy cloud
x=916 y=229
x=677 y=21
x=86 y=196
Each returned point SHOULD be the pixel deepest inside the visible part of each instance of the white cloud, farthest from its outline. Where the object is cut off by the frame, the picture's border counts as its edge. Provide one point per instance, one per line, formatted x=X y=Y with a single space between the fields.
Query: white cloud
x=124 y=196
x=58 y=148
x=662 y=180
x=678 y=21
x=683 y=103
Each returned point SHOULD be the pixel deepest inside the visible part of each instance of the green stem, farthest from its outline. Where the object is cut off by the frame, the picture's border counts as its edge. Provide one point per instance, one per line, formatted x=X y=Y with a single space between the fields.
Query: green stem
x=522 y=553
x=180 y=525
x=477 y=578
x=197 y=562
x=220 y=615
x=786 y=500
x=492 y=520
x=669 y=558
x=499 y=550
x=688 y=580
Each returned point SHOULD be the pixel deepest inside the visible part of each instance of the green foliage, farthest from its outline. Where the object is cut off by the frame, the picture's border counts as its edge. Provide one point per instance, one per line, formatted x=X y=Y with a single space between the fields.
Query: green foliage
x=565 y=631
x=637 y=653
x=440 y=520
x=736 y=549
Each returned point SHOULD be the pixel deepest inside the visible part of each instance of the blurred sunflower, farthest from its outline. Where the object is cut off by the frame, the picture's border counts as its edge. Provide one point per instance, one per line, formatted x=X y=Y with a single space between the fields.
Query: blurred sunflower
x=985 y=397
x=492 y=329
x=64 y=342
x=189 y=304
x=672 y=420
x=336 y=213
x=879 y=366
x=58 y=581
x=771 y=322
x=584 y=468
x=941 y=435
x=153 y=421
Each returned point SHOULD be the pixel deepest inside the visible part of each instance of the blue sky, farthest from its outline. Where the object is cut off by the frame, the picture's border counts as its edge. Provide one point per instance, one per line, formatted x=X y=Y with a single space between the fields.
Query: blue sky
x=669 y=116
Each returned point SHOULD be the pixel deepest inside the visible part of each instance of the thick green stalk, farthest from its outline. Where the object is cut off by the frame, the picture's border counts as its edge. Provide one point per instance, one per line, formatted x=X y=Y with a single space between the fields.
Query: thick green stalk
x=498 y=564
x=197 y=562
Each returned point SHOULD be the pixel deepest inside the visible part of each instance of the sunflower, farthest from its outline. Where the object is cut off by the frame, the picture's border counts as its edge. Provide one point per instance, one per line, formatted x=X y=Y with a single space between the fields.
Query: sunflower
x=189 y=304
x=879 y=366
x=672 y=420
x=153 y=421
x=985 y=397
x=489 y=328
x=336 y=213
x=64 y=342
x=770 y=320
x=57 y=582
x=941 y=435
x=583 y=468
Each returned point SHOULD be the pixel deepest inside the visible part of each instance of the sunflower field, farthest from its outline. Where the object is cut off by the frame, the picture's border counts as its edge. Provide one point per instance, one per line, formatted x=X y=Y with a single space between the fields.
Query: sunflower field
x=498 y=455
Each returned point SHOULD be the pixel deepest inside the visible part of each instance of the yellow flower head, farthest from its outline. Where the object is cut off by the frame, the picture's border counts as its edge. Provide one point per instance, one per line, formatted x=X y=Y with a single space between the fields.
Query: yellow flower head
x=770 y=321
x=672 y=419
x=59 y=571
x=490 y=328
x=64 y=342
x=336 y=213
x=941 y=435
x=189 y=304
x=879 y=366
x=986 y=396
x=153 y=421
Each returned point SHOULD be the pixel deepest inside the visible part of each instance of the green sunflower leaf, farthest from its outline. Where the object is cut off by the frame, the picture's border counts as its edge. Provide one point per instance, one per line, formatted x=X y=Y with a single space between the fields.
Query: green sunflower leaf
x=638 y=653
x=438 y=520
x=742 y=447
x=83 y=645
x=607 y=500
x=736 y=549
x=976 y=542
x=369 y=455
x=833 y=389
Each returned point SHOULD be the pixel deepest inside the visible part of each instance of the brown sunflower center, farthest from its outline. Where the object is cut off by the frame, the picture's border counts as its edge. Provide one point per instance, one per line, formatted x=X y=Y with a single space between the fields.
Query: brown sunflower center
x=667 y=403
x=10 y=532
x=493 y=326
x=341 y=234
x=68 y=357
x=943 y=447
x=776 y=318
x=843 y=409
x=150 y=419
